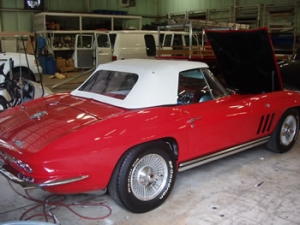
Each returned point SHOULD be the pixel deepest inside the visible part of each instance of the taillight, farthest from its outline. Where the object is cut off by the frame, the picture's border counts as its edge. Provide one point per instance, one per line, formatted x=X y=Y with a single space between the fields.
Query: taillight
x=23 y=166
x=114 y=58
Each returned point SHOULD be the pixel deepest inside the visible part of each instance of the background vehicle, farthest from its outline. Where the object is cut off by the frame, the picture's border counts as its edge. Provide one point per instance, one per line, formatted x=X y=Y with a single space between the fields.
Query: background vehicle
x=17 y=90
x=92 y=49
x=18 y=73
x=22 y=63
x=133 y=44
x=95 y=48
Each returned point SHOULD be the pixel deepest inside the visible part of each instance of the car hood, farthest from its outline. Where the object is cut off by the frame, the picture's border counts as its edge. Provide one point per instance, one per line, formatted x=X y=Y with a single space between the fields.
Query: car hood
x=247 y=60
x=45 y=120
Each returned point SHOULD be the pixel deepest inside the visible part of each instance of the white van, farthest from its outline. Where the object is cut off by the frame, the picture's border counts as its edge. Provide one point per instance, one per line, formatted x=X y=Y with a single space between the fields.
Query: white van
x=143 y=44
x=101 y=47
x=133 y=44
x=92 y=49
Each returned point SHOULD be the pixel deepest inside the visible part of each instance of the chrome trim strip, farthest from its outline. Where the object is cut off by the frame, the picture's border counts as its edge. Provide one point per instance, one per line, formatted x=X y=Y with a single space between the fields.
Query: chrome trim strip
x=28 y=185
x=221 y=154
x=71 y=180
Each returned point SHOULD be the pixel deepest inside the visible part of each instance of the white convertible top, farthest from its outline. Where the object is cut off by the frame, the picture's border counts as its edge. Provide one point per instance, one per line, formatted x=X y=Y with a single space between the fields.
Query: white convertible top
x=157 y=83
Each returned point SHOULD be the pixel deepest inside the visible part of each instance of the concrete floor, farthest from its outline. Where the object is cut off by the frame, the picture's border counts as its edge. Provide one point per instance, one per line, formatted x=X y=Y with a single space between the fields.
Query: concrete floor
x=255 y=187
x=72 y=81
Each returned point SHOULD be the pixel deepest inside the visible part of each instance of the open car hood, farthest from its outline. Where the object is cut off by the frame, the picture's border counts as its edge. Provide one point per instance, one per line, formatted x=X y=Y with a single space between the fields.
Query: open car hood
x=247 y=60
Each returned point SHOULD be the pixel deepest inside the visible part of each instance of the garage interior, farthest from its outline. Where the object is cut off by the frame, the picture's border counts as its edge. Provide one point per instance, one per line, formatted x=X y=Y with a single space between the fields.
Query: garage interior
x=252 y=187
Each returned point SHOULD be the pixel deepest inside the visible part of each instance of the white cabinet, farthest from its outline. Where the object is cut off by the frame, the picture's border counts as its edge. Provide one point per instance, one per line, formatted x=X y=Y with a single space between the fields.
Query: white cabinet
x=60 y=29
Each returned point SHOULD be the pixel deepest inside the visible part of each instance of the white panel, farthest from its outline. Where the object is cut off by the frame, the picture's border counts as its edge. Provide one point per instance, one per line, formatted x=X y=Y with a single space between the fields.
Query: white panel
x=9 y=45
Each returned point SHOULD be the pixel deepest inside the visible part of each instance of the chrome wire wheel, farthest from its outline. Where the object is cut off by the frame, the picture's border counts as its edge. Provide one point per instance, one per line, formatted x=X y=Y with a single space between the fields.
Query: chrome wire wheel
x=149 y=177
x=288 y=130
x=144 y=177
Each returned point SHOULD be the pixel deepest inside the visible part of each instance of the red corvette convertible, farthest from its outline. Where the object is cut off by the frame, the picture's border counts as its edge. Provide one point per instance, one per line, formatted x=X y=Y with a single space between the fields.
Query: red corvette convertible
x=133 y=124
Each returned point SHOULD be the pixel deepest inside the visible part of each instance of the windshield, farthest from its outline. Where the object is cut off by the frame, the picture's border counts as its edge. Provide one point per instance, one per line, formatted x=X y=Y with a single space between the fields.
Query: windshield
x=110 y=83
x=198 y=85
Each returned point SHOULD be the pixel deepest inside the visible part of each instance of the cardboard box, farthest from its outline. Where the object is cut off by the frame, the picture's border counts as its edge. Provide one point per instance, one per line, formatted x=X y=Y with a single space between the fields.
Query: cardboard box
x=65 y=65
x=60 y=63
x=70 y=63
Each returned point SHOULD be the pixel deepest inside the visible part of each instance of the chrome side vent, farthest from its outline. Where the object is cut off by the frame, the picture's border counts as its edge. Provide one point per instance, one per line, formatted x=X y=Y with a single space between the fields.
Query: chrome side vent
x=265 y=123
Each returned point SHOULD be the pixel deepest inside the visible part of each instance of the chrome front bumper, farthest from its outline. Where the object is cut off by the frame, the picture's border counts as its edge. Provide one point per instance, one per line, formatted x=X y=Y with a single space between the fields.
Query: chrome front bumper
x=29 y=185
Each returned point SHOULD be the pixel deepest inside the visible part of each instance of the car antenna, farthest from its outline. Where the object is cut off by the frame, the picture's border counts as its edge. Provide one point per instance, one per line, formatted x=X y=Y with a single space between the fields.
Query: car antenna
x=21 y=74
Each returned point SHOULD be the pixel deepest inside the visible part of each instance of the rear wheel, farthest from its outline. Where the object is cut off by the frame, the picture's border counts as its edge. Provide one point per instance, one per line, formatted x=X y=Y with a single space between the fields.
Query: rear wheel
x=144 y=177
x=286 y=132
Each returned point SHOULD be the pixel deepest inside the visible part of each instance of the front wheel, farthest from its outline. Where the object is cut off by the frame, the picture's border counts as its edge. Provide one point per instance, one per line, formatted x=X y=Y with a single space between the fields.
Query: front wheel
x=24 y=73
x=144 y=177
x=286 y=132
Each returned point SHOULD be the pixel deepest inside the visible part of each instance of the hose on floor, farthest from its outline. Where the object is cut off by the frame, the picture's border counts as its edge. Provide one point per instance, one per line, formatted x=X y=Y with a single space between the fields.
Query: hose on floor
x=53 y=201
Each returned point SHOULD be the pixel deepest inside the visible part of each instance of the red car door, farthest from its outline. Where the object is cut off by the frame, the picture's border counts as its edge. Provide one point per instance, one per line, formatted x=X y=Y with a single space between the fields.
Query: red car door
x=218 y=124
x=215 y=120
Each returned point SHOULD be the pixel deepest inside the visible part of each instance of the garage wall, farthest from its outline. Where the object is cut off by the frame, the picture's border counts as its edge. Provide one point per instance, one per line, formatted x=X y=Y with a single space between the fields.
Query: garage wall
x=167 y=6
x=14 y=18
x=16 y=21
x=144 y=8
x=249 y=2
x=224 y=8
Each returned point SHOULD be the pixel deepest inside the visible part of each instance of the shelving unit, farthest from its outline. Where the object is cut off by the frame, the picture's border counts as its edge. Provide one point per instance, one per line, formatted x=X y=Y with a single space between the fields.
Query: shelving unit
x=59 y=43
x=205 y=24
x=77 y=21
x=248 y=15
x=281 y=19
x=60 y=29
x=282 y=23
x=220 y=15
